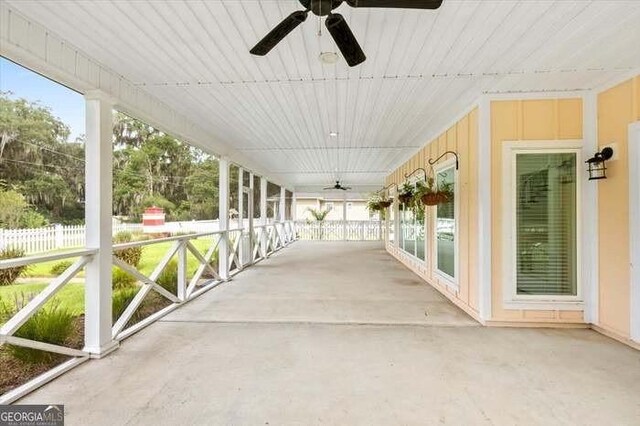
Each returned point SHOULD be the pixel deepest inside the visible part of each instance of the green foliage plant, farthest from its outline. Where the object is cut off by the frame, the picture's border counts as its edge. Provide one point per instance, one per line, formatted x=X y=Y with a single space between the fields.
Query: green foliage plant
x=9 y=276
x=52 y=324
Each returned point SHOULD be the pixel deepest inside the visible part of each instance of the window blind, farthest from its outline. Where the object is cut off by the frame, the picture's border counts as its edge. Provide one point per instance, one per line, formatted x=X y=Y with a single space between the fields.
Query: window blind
x=546 y=224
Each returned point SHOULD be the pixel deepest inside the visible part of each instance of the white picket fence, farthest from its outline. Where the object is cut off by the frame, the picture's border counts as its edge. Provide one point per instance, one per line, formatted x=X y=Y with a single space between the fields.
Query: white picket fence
x=56 y=237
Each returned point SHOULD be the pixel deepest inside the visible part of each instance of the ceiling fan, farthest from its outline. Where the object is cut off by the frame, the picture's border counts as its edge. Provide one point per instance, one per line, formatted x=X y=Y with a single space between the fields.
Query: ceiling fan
x=338 y=187
x=335 y=23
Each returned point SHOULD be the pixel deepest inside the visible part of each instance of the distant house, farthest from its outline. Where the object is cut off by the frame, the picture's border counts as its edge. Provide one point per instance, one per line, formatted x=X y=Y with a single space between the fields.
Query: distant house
x=356 y=206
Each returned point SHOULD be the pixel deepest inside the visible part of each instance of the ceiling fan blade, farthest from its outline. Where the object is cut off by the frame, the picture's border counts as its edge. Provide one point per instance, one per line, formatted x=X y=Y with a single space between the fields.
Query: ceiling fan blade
x=344 y=38
x=277 y=34
x=346 y=188
x=399 y=4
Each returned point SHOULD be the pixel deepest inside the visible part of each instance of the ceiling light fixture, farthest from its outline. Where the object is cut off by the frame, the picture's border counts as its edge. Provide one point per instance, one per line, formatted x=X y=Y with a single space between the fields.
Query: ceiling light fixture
x=333 y=134
x=329 y=58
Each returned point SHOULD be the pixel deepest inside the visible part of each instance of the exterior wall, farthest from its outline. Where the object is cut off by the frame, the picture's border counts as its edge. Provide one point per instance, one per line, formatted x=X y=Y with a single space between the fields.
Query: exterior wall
x=525 y=120
x=462 y=138
x=618 y=107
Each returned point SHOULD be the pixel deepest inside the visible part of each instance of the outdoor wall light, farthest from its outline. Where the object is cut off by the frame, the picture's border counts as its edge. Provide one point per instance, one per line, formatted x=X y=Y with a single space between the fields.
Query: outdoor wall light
x=597 y=169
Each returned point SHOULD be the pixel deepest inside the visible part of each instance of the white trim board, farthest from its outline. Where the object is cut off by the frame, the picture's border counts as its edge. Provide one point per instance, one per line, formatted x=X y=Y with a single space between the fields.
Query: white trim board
x=634 y=228
x=485 y=235
x=590 y=247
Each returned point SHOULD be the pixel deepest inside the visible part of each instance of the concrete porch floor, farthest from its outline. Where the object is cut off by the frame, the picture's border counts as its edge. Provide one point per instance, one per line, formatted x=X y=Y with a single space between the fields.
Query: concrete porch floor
x=341 y=333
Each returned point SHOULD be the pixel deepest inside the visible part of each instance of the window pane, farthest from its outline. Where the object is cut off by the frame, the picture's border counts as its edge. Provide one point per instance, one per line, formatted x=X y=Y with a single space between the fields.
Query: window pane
x=446 y=223
x=546 y=224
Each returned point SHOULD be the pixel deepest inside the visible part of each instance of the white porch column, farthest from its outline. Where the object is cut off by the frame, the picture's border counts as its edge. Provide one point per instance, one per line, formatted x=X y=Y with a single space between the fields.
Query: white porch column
x=283 y=204
x=240 y=199
x=223 y=211
x=282 y=215
x=98 y=211
x=294 y=207
x=263 y=215
x=344 y=217
x=250 y=215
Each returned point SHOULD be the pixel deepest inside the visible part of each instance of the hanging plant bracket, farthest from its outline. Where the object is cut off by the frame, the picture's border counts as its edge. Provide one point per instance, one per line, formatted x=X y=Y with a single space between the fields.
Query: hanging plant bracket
x=386 y=188
x=432 y=162
x=419 y=169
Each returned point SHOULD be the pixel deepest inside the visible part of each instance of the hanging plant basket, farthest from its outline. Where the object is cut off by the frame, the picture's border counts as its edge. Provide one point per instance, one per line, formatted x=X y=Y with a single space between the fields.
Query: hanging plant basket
x=405 y=198
x=386 y=203
x=431 y=199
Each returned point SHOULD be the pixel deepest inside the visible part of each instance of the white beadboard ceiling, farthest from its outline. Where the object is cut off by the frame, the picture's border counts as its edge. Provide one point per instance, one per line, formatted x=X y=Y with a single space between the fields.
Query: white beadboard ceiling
x=424 y=68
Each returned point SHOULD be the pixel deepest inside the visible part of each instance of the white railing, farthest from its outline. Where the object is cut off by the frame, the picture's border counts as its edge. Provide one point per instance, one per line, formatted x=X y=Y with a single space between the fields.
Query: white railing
x=58 y=237
x=242 y=250
x=340 y=230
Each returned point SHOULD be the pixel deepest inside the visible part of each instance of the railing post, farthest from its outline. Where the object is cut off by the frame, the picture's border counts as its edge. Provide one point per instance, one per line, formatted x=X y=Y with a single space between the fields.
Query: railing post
x=263 y=215
x=182 y=271
x=223 y=206
x=99 y=204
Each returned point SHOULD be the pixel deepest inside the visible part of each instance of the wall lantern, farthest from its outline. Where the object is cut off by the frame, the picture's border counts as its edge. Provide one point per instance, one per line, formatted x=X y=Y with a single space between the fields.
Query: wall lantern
x=597 y=169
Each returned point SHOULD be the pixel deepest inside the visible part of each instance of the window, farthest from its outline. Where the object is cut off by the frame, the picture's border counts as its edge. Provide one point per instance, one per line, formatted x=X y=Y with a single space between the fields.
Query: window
x=411 y=238
x=445 y=232
x=541 y=224
x=328 y=206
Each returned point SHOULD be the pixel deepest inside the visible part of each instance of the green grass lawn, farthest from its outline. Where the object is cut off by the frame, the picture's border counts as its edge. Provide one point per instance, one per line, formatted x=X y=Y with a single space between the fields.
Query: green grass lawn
x=151 y=255
x=71 y=296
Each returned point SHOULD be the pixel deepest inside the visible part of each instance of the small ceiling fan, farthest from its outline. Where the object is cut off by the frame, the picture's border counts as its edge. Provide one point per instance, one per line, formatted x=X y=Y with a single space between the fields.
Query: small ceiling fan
x=335 y=23
x=338 y=187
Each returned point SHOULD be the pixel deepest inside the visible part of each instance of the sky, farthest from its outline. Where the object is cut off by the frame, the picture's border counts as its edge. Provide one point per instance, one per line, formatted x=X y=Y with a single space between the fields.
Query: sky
x=64 y=103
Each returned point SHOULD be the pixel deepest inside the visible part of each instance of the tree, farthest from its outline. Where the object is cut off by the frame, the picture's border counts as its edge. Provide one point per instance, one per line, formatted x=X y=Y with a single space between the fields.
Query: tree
x=15 y=211
x=37 y=160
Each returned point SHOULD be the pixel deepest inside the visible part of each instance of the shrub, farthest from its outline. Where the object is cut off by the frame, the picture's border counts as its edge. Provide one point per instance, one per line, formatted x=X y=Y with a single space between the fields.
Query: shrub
x=131 y=255
x=168 y=279
x=51 y=324
x=121 y=299
x=10 y=275
x=121 y=280
x=60 y=267
x=123 y=237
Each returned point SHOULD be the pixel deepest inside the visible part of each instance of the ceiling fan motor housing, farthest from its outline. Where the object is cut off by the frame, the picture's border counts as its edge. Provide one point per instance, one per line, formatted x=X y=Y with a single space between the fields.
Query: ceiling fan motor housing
x=321 y=7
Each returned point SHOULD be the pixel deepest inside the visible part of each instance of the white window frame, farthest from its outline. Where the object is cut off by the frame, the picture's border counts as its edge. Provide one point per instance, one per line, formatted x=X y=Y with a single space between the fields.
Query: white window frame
x=511 y=299
x=450 y=281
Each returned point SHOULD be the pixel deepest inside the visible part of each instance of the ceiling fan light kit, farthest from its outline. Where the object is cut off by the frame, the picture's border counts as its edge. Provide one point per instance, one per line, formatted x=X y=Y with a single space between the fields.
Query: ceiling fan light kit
x=336 y=25
x=329 y=58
